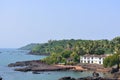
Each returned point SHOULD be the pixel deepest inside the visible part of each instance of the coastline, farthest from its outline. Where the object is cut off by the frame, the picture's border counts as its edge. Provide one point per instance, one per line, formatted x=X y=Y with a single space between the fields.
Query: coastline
x=38 y=65
x=95 y=67
x=75 y=68
x=47 y=72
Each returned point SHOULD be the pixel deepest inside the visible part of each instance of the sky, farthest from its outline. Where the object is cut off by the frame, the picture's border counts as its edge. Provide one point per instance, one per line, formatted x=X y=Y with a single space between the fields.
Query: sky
x=36 y=21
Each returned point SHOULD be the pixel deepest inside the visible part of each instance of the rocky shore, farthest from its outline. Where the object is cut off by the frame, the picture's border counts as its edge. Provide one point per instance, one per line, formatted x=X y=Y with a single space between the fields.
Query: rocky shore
x=37 y=65
x=95 y=76
x=95 y=67
x=0 y=78
x=87 y=78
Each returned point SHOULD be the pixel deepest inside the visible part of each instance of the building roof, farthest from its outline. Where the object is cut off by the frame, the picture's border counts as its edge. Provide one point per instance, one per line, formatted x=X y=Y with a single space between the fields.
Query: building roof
x=99 y=56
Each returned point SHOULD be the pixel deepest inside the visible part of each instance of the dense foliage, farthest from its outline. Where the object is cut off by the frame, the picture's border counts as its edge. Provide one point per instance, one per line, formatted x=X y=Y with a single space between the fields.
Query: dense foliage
x=64 y=51
x=29 y=46
x=113 y=59
x=79 y=46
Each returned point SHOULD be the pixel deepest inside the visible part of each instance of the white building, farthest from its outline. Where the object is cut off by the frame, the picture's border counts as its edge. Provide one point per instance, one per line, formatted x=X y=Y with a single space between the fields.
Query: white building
x=92 y=59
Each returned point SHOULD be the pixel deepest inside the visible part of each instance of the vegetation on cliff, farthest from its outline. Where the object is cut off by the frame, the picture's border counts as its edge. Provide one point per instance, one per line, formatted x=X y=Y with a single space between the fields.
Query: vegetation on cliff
x=69 y=51
x=112 y=60
x=29 y=46
x=79 y=46
x=115 y=58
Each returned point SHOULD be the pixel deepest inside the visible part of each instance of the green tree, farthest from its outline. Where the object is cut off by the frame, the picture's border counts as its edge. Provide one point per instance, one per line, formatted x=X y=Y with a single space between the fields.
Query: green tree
x=66 y=53
x=75 y=57
x=111 y=60
x=99 y=51
x=64 y=49
x=116 y=40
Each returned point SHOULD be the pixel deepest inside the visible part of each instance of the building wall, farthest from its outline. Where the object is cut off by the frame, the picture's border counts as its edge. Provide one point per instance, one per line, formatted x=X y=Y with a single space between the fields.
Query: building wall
x=91 y=60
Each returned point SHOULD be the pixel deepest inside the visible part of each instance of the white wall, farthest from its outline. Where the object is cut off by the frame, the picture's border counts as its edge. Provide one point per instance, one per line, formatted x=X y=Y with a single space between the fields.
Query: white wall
x=95 y=60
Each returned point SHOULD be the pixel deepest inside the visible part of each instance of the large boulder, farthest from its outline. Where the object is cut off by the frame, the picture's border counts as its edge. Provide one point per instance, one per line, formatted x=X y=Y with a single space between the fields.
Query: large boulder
x=114 y=70
x=0 y=78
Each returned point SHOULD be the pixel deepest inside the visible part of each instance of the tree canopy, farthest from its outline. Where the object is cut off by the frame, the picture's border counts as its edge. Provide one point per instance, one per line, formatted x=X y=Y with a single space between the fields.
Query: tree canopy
x=79 y=46
x=61 y=50
x=111 y=60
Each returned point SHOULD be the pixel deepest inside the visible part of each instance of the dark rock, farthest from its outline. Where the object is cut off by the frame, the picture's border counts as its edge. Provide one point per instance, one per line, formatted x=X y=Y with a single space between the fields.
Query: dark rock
x=116 y=75
x=36 y=65
x=86 y=78
x=0 y=78
x=26 y=69
x=95 y=74
x=36 y=72
x=67 y=78
x=114 y=70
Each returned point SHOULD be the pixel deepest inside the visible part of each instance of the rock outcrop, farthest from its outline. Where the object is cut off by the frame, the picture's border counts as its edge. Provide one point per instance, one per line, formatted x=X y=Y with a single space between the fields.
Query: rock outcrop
x=67 y=78
x=86 y=78
x=36 y=65
x=0 y=78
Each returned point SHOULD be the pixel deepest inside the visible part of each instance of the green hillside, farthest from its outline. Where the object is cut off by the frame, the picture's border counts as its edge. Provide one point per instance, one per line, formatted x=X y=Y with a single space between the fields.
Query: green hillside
x=62 y=50
x=29 y=46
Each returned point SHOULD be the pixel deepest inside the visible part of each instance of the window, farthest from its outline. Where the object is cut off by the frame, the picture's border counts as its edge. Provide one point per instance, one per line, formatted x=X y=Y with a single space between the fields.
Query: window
x=84 y=61
x=99 y=62
x=88 y=61
x=81 y=61
x=92 y=62
x=92 y=57
x=84 y=57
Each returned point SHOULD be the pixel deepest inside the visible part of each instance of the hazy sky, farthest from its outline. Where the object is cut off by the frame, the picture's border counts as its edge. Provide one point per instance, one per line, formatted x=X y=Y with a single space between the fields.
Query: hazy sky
x=37 y=21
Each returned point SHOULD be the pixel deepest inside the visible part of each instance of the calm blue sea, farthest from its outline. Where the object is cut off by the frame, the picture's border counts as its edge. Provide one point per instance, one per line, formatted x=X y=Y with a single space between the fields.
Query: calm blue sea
x=13 y=55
